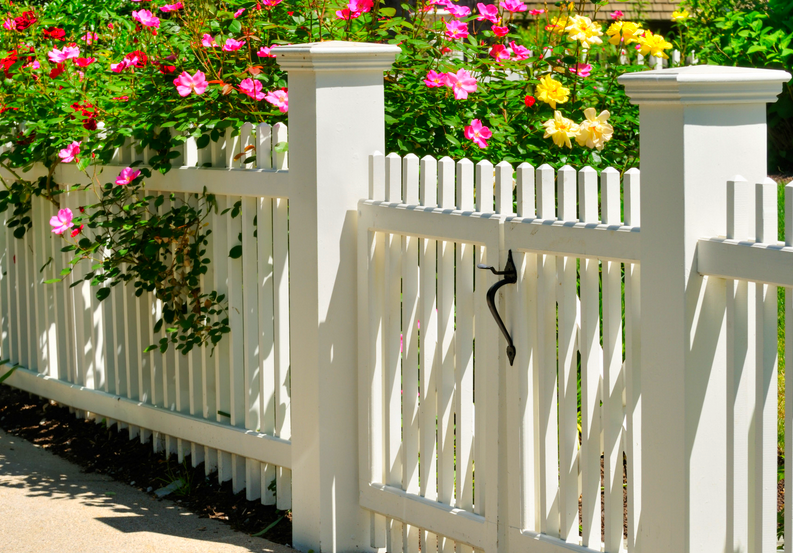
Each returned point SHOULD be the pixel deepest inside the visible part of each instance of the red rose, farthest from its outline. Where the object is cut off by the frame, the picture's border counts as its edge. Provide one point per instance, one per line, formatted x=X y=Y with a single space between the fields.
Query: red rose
x=7 y=62
x=57 y=70
x=141 y=58
x=25 y=20
x=529 y=101
x=54 y=33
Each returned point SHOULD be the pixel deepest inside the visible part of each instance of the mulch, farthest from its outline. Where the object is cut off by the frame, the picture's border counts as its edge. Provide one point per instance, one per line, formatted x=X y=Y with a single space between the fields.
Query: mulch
x=102 y=450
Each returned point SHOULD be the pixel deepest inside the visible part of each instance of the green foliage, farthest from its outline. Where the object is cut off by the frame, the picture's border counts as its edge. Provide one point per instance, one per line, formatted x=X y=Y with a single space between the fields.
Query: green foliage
x=759 y=37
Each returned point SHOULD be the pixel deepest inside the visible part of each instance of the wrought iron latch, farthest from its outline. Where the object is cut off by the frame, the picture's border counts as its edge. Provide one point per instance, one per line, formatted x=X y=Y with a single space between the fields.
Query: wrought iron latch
x=510 y=274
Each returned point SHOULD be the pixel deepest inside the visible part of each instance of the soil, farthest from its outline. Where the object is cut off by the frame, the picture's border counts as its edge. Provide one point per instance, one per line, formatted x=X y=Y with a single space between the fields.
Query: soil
x=103 y=450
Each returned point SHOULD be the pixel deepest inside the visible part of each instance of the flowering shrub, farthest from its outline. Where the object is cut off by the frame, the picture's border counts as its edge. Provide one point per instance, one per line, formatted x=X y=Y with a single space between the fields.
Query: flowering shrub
x=81 y=81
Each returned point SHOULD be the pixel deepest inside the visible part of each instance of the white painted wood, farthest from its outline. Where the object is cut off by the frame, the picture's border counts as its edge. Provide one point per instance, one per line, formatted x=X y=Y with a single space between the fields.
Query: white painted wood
x=281 y=339
x=464 y=353
x=568 y=386
x=633 y=382
x=208 y=379
x=393 y=178
x=265 y=340
x=232 y=148
x=331 y=178
x=410 y=348
x=503 y=187
x=741 y=322
x=788 y=363
x=763 y=452
x=243 y=443
x=591 y=370
x=222 y=406
x=247 y=145
x=446 y=380
x=525 y=190
x=613 y=381
x=485 y=186
x=466 y=528
x=236 y=341
x=264 y=146
x=545 y=383
x=377 y=177
x=280 y=134
x=392 y=350
x=410 y=179
x=253 y=373
x=428 y=352
x=428 y=190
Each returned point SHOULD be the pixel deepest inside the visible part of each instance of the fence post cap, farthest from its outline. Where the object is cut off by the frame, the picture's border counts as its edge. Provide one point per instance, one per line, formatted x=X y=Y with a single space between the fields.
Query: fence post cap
x=704 y=84
x=336 y=55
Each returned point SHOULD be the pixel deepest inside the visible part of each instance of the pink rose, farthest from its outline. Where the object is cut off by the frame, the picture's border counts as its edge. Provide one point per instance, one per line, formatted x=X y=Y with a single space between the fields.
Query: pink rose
x=252 y=88
x=127 y=175
x=62 y=221
x=461 y=83
x=280 y=99
x=185 y=84
x=477 y=133
x=70 y=152
x=456 y=29
x=233 y=45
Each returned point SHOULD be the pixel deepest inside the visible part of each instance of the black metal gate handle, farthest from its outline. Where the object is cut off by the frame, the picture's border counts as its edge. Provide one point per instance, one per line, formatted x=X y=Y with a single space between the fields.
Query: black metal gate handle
x=510 y=274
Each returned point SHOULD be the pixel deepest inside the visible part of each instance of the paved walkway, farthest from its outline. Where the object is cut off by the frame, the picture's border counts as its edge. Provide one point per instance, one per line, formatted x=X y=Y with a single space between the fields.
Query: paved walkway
x=48 y=505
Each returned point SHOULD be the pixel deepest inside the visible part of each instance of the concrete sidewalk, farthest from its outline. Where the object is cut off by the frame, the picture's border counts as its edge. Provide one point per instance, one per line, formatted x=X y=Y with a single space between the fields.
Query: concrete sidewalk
x=48 y=505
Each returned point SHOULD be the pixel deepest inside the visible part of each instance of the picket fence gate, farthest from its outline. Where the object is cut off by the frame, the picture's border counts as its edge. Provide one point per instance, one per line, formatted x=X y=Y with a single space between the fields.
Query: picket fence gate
x=365 y=372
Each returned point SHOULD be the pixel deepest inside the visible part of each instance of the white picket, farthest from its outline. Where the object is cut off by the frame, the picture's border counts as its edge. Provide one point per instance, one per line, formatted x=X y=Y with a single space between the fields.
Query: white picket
x=446 y=392
x=281 y=339
x=410 y=348
x=428 y=357
x=591 y=369
x=613 y=381
x=253 y=373
x=633 y=363
x=545 y=385
x=392 y=349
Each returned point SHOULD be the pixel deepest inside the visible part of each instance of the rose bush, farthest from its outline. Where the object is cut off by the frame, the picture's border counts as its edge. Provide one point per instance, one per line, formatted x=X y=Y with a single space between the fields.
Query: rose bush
x=80 y=81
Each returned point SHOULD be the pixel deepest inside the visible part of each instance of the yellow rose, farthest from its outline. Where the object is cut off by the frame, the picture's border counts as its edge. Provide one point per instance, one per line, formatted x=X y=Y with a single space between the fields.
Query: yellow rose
x=551 y=91
x=595 y=131
x=680 y=15
x=582 y=29
x=653 y=45
x=560 y=129
x=624 y=31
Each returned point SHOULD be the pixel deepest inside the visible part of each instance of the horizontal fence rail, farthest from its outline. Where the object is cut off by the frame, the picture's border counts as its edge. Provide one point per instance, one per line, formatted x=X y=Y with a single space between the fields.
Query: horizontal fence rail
x=433 y=357
x=229 y=409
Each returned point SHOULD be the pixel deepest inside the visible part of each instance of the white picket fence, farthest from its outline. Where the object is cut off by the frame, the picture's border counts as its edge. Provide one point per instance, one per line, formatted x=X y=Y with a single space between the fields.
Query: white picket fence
x=391 y=398
x=229 y=410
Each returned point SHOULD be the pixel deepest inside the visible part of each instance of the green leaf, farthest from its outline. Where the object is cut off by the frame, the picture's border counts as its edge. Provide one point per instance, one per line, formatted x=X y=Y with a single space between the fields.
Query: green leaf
x=102 y=293
x=9 y=373
x=235 y=26
x=235 y=252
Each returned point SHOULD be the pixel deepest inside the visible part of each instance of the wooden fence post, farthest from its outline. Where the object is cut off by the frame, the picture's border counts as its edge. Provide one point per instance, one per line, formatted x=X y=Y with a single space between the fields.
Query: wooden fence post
x=700 y=126
x=336 y=119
